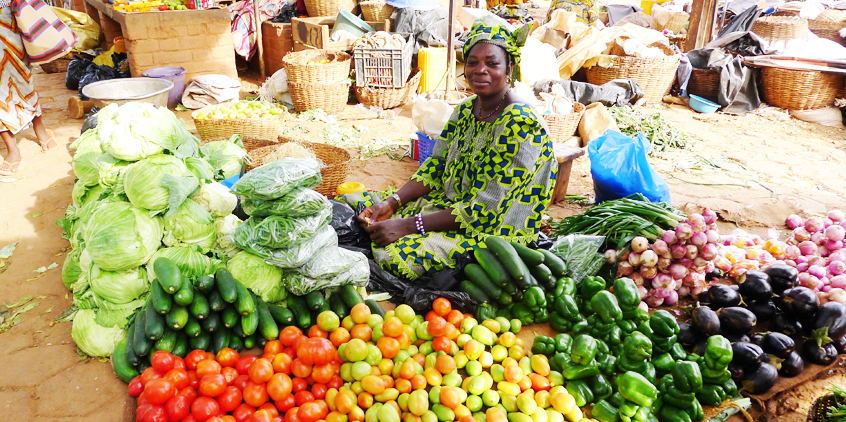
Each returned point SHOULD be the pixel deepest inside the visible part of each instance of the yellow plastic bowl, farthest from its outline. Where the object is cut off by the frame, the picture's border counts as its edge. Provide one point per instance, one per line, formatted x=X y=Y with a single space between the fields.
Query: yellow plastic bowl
x=350 y=187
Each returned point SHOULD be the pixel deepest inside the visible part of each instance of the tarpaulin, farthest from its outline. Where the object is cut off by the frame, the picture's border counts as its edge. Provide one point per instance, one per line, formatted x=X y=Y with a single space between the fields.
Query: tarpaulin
x=618 y=92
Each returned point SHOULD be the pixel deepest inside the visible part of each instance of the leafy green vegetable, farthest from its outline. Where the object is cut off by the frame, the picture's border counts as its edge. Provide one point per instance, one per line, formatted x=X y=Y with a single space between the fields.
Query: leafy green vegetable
x=85 y=165
x=189 y=224
x=143 y=182
x=280 y=232
x=224 y=228
x=82 y=194
x=119 y=236
x=275 y=180
x=118 y=287
x=71 y=269
x=191 y=263
x=94 y=339
x=298 y=203
x=108 y=314
x=134 y=131
x=216 y=199
x=200 y=168
x=660 y=131
x=226 y=157
x=263 y=279
x=110 y=170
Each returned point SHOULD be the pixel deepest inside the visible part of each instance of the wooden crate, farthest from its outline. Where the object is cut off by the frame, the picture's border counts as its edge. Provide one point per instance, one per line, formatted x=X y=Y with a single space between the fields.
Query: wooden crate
x=278 y=42
x=313 y=33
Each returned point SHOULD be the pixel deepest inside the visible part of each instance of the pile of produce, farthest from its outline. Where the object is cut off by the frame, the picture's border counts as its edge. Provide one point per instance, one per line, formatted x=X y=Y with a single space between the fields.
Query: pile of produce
x=662 y=134
x=242 y=110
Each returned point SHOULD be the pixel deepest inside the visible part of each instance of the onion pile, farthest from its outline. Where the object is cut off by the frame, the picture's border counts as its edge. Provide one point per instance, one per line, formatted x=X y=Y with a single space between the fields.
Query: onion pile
x=675 y=264
x=815 y=249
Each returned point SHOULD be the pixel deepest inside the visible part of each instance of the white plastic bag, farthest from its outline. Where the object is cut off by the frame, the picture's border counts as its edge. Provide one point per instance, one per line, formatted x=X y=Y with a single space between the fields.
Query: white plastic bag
x=555 y=102
x=430 y=116
x=538 y=62
x=274 y=87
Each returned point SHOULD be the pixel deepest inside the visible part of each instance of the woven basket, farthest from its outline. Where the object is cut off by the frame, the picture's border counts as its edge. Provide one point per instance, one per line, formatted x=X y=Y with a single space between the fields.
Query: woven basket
x=330 y=98
x=259 y=128
x=376 y=10
x=335 y=159
x=677 y=22
x=819 y=410
x=386 y=98
x=301 y=72
x=679 y=41
x=57 y=66
x=780 y=28
x=654 y=75
x=563 y=126
x=705 y=83
x=317 y=8
x=800 y=89
x=827 y=25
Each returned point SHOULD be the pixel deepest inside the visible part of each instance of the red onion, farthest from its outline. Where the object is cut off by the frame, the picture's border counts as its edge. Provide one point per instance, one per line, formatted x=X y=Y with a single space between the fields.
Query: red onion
x=642 y=290
x=624 y=268
x=648 y=272
x=672 y=298
x=697 y=221
x=662 y=293
x=726 y=240
x=801 y=234
x=709 y=252
x=678 y=271
x=813 y=225
x=710 y=267
x=698 y=290
x=684 y=231
x=790 y=262
x=835 y=232
x=713 y=236
x=686 y=262
x=816 y=271
x=825 y=289
x=808 y=248
x=837 y=295
x=637 y=278
x=709 y=216
x=653 y=300
x=663 y=281
x=678 y=251
x=839 y=255
x=640 y=244
x=699 y=239
x=664 y=264
x=793 y=221
x=802 y=259
x=825 y=282
x=648 y=258
x=837 y=216
x=634 y=259
x=713 y=226
x=660 y=247
x=724 y=264
x=822 y=297
x=838 y=281
x=802 y=267
x=826 y=222
x=700 y=263
x=792 y=252
x=817 y=260
x=611 y=256
x=823 y=251
x=643 y=306
x=803 y=278
x=683 y=291
x=692 y=252
x=624 y=256
x=813 y=283
x=832 y=245
x=669 y=237
x=689 y=280
x=818 y=238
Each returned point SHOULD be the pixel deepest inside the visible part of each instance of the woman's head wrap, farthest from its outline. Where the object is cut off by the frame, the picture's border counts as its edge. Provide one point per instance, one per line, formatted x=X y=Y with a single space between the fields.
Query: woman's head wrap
x=488 y=30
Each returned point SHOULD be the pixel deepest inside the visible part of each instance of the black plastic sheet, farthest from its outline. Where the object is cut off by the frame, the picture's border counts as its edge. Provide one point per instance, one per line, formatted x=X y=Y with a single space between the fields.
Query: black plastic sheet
x=90 y=121
x=350 y=232
x=430 y=28
x=419 y=294
x=95 y=73
x=285 y=14
x=77 y=68
x=619 y=92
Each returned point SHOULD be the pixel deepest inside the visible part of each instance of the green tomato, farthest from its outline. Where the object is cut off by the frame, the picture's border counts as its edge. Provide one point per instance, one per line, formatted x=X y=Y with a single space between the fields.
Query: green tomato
x=526 y=403
x=401 y=357
x=499 y=353
x=498 y=373
x=422 y=331
x=554 y=415
x=467 y=325
x=526 y=365
x=474 y=403
x=372 y=414
x=463 y=339
x=374 y=355
x=360 y=370
x=555 y=378
x=452 y=379
x=473 y=368
x=429 y=416
x=435 y=395
x=443 y=413
x=387 y=414
x=429 y=362
x=426 y=348
x=477 y=385
x=377 y=333
x=516 y=325
x=356 y=350
x=328 y=321
x=413 y=350
x=418 y=402
x=373 y=320
x=504 y=324
x=509 y=402
x=490 y=398
x=346 y=372
x=461 y=360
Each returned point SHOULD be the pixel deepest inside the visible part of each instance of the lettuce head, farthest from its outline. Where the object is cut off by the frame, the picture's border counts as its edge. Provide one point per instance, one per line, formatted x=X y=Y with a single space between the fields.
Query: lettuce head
x=134 y=131
x=190 y=224
x=159 y=182
x=85 y=165
x=119 y=237
x=92 y=338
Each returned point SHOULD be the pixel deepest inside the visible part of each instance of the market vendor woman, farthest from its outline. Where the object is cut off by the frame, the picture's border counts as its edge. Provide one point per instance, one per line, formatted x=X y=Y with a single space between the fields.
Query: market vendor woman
x=492 y=171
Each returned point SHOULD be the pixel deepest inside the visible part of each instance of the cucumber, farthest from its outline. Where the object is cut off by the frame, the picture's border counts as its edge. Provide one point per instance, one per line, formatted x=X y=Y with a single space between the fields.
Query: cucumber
x=297 y=305
x=338 y=306
x=494 y=269
x=555 y=264
x=529 y=256
x=283 y=316
x=229 y=317
x=509 y=258
x=168 y=274
x=211 y=323
x=180 y=348
x=202 y=341
x=314 y=300
x=350 y=295
x=474 y=292
x=185 y=295
x=216 y=303
x=154 y=323
x=204 y=284
x=226 y=285
x=219 y=340
x=131 y=356
x=177 y=317
x=543 y=275
x=249 y=342
x=167 y=341
x=245 y=304
x=235 y=343
x=267 y=326
x=324 y=307
x=249 y=323
x=140 y=343
x=160 y=299
x=192 y=328
x=199 y=308
x=375 y=307
x=144 y=364
x=477 y=275
x=260 y=342
x=123 y=369
x=237 y=331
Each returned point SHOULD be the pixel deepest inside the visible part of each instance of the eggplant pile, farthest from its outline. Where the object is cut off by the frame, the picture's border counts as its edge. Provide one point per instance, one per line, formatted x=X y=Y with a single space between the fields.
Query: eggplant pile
x=774 y=298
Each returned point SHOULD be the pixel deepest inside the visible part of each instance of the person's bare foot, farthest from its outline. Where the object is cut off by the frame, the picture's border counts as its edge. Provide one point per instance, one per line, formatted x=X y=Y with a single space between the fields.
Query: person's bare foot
x=11 y=164
x=49 y=144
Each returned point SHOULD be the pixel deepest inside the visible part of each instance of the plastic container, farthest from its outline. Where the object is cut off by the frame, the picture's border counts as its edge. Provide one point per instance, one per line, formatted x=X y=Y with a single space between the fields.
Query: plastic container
x=128 y=90
x=173 y=74
x=425 y=145
x=350 y=23
x=432 y=61
x=350 y=187
x=702 y=105
x=383 y=67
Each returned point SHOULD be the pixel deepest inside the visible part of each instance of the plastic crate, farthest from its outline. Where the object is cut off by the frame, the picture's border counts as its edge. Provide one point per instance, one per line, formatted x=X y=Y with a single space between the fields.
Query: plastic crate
x=425 y=146
x=383 y=67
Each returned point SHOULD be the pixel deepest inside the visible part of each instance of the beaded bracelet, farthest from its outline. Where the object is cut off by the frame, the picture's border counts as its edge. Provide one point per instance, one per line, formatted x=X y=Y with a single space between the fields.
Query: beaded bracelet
x=418 y=221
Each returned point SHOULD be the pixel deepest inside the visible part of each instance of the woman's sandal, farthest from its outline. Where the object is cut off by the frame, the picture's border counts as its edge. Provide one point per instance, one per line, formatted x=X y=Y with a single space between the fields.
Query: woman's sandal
x=45 y=146
x=13 y=168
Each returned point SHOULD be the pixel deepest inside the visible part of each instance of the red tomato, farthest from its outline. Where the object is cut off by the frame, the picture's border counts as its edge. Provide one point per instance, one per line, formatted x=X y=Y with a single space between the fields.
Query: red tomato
x=189 y=418
x=291 y=352
x=298 y=384
x=179 y=363
x=241 y=381
x=243 y=412
x=280 y=385
x=179 y=378
x=193 y=379
x=204 y=408
x=270 y=408
x=336 y=382
x=244 y=364
x=135 y=388
x=309 y=412
x=142 y=410
x=194 y=358
x=162 y=360
x=262 y=415
x=227 y=357
x=230 y=399
x=206 y=367
x=288 y=334
x=149 y=374
x=323 y=373
x=315 y=331
x=282 y=363
x=273 y=347
x=255 y=394
x=142 y=399
x=291 y=415
x=212 y=385
x=188 y=392
x=319 y=391
x=159 y=391
x=287 y=403
x=178 y=407
x=303 y=397
x=156 y=414
x=316 y=351
x=230 y=374
x=260 y=371
x=300 y=369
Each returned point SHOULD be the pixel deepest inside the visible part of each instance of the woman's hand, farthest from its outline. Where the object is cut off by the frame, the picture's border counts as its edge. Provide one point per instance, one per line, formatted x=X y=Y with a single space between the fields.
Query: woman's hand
x=386 y=232
x=376 y=213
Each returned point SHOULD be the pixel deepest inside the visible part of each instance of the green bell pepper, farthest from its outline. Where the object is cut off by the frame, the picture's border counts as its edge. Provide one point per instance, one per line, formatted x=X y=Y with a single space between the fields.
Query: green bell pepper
x=714 y=376
x=663 y=344
x=576 y=372
x=604 y=303
x=583 y=349
x=677 y=351
x=730 y=387
x=663 y=362
x=504 y=312
x=591 y=286
x=625 y=290
x=614 y=335
x=693 y=357
x=718 y=352
x=645 y=329
x=602 y=348
x=580 y=328
x=627 y=325
x=580 y=391
x=566 y=306
x=673 y=414
x=616 y=399
x=695 y=411
x=560 y=362
x=649 y=373
x=642 y=414
x=485 y=311
x=541 y=316
x=607 y=364
x=711 y=395
x=534 y=298
x=679 y=399
x=559 y=323
x=687 y=377
x=543 y=346
x=628 y=409
x=665 y=383
x=523 y=313
x=637 y=347
x=604 y=412
x=600 y=386
x=563 y=343
x=565 y=286
x=598 y=327
x=663 y=323
x=635 y=387
x=637 y=315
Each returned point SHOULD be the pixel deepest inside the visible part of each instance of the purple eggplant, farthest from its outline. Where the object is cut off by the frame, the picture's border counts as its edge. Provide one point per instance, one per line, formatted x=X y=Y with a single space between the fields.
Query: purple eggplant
x=778 y=344
x=831 y=318
x=706 y=320
x=786 y=324
x=799 y=302
x=765 y=310
x=760 y=380
x=790 y=366
x=722 y=296
x=735 y=337
x=747 y=355
x=736 y=371
x=782 y=277
x=687 y=335
x=737 y=319
x=756 y=286
x=820 y=355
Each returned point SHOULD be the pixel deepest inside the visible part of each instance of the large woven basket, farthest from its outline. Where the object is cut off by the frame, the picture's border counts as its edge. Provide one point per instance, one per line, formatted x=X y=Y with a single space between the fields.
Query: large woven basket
x=386 y=98
x=301 y=68
x=654 y=75
x=820 y=409
x=376 y=10
x=705 y=83
x=317 y=8
x=259 y=128
x=780 y=28
x=800 y=89
x=330 y=98
x=57 y=66
x=563 y=126
x=827 y=25
x=336 y=161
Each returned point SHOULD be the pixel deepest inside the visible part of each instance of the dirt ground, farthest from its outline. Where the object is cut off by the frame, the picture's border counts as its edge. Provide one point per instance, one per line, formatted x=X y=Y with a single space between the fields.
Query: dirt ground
x=753 y=170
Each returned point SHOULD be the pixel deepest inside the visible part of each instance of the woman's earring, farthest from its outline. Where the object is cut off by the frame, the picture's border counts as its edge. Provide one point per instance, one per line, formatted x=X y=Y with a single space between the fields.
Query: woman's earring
x=508 y=79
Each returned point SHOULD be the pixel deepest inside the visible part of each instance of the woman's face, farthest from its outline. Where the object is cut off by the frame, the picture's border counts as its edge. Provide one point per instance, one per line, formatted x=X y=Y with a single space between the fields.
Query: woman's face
x=486 y=69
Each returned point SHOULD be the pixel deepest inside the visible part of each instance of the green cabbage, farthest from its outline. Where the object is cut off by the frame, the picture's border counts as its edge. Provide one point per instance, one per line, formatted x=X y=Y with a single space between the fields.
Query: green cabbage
x=225 y=156
x=71 y=269
x=263 y=279
x=224 y=228
x=94 y=339
x=109 y=170
x=108 y=314
x=191 y=263
x=200 y=168
x=190 y=224
x=134 y=131
x=142 y=182
x=118 y=286
x=85 y=165
x=216 y=199
x=82 y=194
x=119 y=236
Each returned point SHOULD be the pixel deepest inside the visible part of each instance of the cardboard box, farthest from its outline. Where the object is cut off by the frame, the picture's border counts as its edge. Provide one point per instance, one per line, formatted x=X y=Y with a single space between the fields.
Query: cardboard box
x=313 y=33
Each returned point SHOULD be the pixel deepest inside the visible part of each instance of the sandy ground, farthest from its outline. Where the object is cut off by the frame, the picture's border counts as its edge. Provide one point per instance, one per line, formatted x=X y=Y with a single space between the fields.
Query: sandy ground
x=760 y=171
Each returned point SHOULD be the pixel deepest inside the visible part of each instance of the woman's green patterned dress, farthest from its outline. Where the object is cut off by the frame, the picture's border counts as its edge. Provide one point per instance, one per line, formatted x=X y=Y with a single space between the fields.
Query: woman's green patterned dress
x=497 y=178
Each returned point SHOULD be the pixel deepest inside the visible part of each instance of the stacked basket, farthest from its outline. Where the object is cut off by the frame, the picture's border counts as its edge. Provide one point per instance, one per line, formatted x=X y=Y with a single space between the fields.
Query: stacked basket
x=827 y=25
x=318 y=79
x=328 y=7
x=705 y=83
x=563 y=126
x=376 y=10
x=800 y=89
x=655 y=75
x=780 y=28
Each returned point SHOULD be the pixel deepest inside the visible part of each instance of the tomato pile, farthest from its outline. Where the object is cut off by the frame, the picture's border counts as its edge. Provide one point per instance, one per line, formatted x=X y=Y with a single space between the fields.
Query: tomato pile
x=365 y=368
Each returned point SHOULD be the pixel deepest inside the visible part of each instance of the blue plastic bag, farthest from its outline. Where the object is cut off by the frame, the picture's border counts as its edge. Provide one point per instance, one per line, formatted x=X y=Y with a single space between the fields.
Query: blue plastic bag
x=619 y=168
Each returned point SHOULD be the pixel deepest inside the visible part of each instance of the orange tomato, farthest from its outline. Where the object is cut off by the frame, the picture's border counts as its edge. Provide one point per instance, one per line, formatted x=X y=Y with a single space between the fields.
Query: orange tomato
x=389 y=347
x=260 y=371
x=388 y=380
x=356 y=414
x=450 y=397
x=311 y=412
x=289 y=334
x=315 y=331
x=525 y=383
x=392 y=327
x=452 y=333
x=441 y=306
x=539 y=382
x=513 y=373
x=359 y=313
x=282 y=363
x=262 y=415
x=495 y=415
x=365 y=400
x=468 y=418
x=300 y=369
x=340 y=336
x=403 y=385
x=227 y=357
x=419 y=358
x=437 y=326
x=229 y=374
x=207 y=367
x=407 y=369
x=255 y=394
x=323 y=373
x=279 y=386
x=441 y=344
x=418 y=382
x=273 y=347
x=404 y=340
x=455 y=317
x=445 y=364
x=362 y=331
x=335 y=417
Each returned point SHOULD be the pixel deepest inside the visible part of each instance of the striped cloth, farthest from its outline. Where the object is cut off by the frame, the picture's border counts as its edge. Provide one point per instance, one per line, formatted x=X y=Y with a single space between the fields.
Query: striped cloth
x=19 y=103
x=45 y=36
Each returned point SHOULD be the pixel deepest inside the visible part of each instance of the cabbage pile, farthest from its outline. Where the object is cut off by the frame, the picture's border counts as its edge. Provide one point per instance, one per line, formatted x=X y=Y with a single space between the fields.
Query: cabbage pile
x=144 y=190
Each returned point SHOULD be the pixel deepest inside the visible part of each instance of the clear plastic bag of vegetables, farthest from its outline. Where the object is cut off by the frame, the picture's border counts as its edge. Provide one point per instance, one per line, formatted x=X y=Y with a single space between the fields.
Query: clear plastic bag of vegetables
x=280 y=232
x=329 y=262
x=300 y=284
x=298 y=203
x=580 y=253
x=275 y=180
x=296 y=256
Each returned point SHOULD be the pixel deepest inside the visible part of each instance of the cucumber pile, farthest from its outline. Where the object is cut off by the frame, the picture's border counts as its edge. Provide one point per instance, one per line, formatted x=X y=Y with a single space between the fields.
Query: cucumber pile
x=340 y=300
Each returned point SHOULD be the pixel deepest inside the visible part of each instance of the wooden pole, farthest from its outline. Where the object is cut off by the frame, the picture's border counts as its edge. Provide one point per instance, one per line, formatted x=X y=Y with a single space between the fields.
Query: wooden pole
x=450 y=76
x=702 y=16
x=257 y=24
